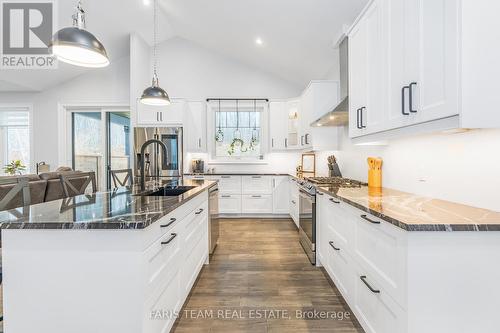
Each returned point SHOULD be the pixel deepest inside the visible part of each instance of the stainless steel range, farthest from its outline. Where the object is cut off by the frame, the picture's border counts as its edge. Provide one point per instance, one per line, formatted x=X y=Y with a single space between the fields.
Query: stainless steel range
x=307 y=209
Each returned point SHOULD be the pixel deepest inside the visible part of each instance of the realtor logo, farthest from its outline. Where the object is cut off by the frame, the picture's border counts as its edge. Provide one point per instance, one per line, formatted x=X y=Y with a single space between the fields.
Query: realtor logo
x=27 y=29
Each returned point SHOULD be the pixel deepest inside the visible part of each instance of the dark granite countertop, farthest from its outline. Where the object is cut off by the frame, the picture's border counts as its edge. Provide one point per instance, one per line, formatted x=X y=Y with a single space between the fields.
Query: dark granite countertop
x=121 y=208
x=416 y=213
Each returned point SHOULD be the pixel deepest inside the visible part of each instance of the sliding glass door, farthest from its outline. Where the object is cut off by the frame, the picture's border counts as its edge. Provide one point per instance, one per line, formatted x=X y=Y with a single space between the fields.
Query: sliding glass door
x=100 y=142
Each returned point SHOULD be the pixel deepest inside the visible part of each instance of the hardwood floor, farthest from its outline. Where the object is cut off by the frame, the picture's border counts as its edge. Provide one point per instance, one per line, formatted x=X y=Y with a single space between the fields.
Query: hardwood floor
x=260 y=280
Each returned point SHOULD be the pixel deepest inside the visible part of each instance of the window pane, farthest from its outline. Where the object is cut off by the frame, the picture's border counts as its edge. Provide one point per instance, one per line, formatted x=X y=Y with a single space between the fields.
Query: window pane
x=237 y=134
x=87 y=143
x=18 y=145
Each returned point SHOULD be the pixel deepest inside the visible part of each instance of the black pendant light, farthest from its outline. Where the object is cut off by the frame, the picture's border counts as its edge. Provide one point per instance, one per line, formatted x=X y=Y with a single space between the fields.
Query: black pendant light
x=155 y=95
x=75 y=45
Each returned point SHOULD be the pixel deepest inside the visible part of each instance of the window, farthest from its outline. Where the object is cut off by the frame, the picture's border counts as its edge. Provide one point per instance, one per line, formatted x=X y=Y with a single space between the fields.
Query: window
x=238 y=129
x=15 y=137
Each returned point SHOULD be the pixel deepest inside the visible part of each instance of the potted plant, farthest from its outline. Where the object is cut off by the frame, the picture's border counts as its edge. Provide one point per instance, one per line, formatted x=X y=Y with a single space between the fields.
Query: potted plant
x=14 y=167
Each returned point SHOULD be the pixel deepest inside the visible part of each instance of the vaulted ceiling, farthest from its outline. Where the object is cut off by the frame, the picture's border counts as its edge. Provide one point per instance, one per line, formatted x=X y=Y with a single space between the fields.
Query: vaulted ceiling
x=297 y=35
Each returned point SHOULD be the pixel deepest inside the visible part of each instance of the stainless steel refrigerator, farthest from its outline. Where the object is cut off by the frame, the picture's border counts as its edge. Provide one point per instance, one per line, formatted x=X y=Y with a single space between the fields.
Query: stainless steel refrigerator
x=172 y=138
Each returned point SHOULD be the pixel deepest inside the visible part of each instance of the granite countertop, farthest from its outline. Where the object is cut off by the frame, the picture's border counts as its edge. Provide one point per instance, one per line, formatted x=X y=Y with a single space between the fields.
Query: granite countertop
x=121 y=208
x=416 y=213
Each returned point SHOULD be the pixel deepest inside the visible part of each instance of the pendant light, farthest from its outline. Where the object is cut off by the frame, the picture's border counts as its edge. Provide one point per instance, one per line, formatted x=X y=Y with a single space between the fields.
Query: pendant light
x=75 y=45
x=155 y=95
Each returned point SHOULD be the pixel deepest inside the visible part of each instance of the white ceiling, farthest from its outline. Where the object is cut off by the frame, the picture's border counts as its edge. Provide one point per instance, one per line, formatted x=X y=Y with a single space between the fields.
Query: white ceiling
x=298 y=35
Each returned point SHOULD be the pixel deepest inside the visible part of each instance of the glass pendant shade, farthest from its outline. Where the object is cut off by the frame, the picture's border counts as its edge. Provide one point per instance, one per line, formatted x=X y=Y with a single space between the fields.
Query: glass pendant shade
x=78 y=47
x=75 y=45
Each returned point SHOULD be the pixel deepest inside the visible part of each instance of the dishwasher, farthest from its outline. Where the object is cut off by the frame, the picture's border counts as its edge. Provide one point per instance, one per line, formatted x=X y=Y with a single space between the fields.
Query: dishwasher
x=213 y=218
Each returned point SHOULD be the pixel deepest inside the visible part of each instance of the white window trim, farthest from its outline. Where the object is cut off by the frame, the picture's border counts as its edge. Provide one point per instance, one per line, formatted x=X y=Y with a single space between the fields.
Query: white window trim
x=31 y=130
x=213 y=159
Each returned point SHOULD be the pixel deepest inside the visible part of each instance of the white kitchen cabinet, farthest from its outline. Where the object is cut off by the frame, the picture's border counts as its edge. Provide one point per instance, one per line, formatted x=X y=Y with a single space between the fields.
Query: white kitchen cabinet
x=229 y=203
x=281 y=195
x=172 y=114
x=195 y=127
x=229 y=184
x=256 y=204
x=294 y=201
x=257 y=184
x=317 y=99
x=367 y=62
x=293 y=124
x=278 y=125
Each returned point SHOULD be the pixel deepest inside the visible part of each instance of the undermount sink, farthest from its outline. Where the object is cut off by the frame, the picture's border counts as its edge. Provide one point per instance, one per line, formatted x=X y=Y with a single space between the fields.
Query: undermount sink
x=168 y=191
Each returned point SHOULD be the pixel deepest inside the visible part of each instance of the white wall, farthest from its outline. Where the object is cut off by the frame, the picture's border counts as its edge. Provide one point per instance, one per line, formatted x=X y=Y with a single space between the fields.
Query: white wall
x=188 y=70
x=460 y=167
x=108 y=85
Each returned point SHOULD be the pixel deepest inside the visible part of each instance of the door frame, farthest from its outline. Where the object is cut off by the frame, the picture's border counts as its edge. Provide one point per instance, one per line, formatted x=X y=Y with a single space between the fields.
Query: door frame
x=65 y=135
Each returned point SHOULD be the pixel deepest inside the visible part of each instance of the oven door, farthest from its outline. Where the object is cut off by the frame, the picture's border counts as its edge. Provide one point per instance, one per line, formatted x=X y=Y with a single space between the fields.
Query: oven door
x=307 y=224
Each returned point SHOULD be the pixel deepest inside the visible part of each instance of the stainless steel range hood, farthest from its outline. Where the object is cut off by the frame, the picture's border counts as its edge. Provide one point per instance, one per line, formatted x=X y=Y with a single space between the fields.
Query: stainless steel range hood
x=339 y=115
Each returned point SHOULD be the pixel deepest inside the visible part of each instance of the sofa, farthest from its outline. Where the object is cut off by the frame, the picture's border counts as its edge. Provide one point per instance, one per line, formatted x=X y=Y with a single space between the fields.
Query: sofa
x=43 y=187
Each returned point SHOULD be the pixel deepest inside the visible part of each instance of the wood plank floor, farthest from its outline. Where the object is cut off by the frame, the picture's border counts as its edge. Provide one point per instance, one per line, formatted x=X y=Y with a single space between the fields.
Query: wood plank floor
x=260 y=280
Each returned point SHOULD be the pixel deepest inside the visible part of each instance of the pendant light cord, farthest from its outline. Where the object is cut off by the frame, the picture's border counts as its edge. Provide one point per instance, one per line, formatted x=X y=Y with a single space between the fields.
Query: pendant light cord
x=155 y=37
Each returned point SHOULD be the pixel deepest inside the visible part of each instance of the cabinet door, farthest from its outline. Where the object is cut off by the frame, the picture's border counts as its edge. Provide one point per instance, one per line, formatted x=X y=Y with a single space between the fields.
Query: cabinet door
x=281 y=195
x=229 y=184
x=278 y=125
x=294 y=201
x=357 y=76
x=293 y=115
x=306 y=111
x=161 y=115
x=256 y=204
x=432 y=55
x=196 y=127
x=147 y=115
x=229 y=204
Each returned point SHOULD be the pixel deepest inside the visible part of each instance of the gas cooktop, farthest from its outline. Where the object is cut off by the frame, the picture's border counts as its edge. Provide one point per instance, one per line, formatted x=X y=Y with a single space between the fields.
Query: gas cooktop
x=335 y=181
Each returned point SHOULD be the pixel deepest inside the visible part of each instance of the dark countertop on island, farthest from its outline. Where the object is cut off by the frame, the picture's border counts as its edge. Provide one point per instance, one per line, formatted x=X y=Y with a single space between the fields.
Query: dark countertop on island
x=121 y=208
x=238 y=174
x=412 y=212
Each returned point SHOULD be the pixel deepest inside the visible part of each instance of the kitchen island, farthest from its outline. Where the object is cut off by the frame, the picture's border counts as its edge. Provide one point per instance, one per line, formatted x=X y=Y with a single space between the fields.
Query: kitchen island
x=118 y=261
x=410 y=264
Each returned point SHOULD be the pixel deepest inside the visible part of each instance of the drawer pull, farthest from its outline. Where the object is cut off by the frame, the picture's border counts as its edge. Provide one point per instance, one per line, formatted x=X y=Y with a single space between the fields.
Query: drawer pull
x=226 y=196
x=375 y=291
x=256 y=196
x=333 y=246
x=334 y=201
x=256 y=177
x=172 y=220
x=319 y=193
x=199 y=212
x=172 y=236
x=364 y=217
x=225 y=177
x=293 y=201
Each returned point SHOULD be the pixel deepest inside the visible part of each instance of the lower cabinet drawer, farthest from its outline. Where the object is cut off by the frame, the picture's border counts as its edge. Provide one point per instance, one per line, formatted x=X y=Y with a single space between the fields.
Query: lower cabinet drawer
x=257 y=204
x=339 y=264
x=374 y=308
x=161 y=309
x=229 y=204
x=162 y=259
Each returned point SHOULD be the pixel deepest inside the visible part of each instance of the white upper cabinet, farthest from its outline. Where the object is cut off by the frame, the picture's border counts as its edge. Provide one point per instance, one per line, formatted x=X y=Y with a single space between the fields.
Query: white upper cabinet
x=367 y=72
x=278 y=125
x=317 y=99
x=412 y=62
x=172 y=114
x=195 y=127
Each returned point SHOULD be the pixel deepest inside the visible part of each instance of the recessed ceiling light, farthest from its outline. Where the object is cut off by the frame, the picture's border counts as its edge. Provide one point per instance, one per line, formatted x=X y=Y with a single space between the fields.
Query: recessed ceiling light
x=146 y=2
x=259 y=41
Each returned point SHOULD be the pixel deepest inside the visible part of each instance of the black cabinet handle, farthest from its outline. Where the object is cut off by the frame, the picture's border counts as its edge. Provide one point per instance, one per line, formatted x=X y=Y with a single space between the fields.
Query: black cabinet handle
x=375 y=291
x=256 y=177
x=293 y=201
x=226 y=196
x=333 y=246
x=225 y=177
x=319 y=193
x=361 y=126
x=272 y=143
x=334 y=201
x=364 y=217
x=172 y=220
x=172 y=236
x=286 y=143
x=403 y=100
x=410 y=88
x=199 y=212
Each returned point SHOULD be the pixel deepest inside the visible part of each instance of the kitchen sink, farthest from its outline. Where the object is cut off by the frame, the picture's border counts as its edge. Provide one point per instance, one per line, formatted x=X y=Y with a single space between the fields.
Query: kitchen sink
x=170 y=191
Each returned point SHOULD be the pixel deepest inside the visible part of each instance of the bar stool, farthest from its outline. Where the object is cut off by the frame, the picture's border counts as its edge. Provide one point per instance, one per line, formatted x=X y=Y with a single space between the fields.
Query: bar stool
x=128 y=180
x=77 y=183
